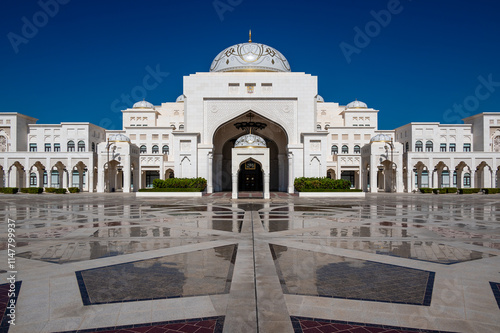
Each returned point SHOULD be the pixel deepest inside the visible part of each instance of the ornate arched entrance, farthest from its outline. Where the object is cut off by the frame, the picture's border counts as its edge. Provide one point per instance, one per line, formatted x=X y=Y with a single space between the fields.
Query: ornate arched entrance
x=225 y=137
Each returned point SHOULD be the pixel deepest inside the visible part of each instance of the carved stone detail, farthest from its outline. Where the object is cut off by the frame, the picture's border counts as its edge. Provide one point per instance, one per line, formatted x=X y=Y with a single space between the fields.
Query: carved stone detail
x=282 y=112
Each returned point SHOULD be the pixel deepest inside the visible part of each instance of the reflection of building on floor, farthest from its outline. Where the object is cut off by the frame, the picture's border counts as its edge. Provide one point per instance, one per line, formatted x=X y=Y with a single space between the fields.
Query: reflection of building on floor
x=304 y=135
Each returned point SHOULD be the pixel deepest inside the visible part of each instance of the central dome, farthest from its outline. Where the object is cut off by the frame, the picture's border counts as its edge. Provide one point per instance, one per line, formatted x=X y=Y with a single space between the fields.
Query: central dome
x=250 y=57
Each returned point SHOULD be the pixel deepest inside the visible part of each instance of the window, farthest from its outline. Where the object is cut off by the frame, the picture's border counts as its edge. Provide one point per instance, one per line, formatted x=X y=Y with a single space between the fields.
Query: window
x=442 y=147
x=155 y=149
x=45 y=179
x=150 y=176
x=57 y=147
x=453 y=147
x=345 y=149
x=467 y=180
x=419 y=146
x=165 y=149
x=32 y=146
x=348 y=175
x=454 y=178
x=424 y=179
x=335 y=150
x=71 y=146
x=143 y=149
x=33 y=179
x=357 y=149
x=318 y=127
x=54 y=179
x=81 y=146
x=407 y=146
x=466 y=146
x=47 y=147
x=181 y=127
x=93 y=146
x=445 y=178
x=429 y=147
x=75 y=181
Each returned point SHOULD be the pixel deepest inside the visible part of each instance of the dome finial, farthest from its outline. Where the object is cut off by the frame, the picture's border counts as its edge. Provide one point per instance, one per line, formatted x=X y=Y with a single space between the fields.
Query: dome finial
x=250 y=36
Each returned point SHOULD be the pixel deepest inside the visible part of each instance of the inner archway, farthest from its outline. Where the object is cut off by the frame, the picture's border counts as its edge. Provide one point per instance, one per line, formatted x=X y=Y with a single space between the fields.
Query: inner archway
x=250 y=176
x=276 y=140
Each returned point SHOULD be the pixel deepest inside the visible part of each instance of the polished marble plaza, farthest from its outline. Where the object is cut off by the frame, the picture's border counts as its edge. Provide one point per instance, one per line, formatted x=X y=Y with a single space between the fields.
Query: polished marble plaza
x=384 y=263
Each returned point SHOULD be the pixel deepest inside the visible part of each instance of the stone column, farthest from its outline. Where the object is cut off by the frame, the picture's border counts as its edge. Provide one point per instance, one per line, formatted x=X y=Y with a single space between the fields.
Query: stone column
x=266 y=185
x=210 y=178
x=27 y=178
x=373 y=174
x=291 y=187
x=235 y=185
x=126 y=176
x=64 y=175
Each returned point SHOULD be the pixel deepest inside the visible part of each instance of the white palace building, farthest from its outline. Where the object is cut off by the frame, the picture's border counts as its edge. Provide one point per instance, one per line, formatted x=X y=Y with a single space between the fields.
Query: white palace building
x=250 y=124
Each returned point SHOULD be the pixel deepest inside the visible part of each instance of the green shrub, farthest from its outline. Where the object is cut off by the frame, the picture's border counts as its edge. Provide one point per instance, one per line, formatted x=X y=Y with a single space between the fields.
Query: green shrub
x=490 y=190
x=330 y=190
x=178 y=183
x=450 y=189
x=311 y=183
x=468 y=190
x=73 y=189
x=159 y=189
x=9 y=190
x=32 y=190
x=438 y=190
x=426 y=190
x=55 y=190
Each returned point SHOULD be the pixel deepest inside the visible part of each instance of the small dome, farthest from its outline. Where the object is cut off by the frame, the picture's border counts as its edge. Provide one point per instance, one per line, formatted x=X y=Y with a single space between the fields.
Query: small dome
x=319 y=99
x=119 y=138
x=143 y=105
x=381 y=138
x=356 y=105
x=250 y=141
x=250 y=57
x=181 y=98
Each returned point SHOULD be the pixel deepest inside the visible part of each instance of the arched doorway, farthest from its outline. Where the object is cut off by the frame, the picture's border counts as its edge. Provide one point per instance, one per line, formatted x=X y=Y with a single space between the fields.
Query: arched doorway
x=224 y=139
x=250 y=176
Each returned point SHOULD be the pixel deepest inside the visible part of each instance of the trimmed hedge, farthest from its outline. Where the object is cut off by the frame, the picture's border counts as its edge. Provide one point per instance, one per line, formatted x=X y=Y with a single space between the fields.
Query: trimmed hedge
x=55 y=190
x=330 y=190
x=438 y=190
x=158 y=189
x=491 y=190
x=179 y=183
x=9 y=190
x=426 y=190
x=73 y=189
x=450 y=189
x=312 y=183
x=32 y=190
x=468 y=190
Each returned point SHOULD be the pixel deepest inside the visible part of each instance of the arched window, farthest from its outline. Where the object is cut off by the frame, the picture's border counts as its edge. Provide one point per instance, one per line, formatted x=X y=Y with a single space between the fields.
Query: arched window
x=81 y=146
x=318 y=127
x=71 y=146
x=155 y=149
x=93 y=146
x=466 y=147
x=357 y=149
x=419 y=146
x=33 y=179
x=143 y=149
x=407 y=146
x=57 y=147
x=181 y=127
x=32 y=147
x=467 y=180
x=54 y=179
x=453 y=147
x=345 y=149
x=425 y=179
x=165 y=150
x=335 y=150
x=429 y=146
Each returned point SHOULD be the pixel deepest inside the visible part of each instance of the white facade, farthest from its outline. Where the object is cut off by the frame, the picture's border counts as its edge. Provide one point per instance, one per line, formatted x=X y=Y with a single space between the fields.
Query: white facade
x=195 y=136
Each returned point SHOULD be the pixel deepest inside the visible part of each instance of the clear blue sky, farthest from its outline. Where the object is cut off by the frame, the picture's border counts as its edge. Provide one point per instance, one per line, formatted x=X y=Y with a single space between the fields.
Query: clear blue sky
x=87 y=54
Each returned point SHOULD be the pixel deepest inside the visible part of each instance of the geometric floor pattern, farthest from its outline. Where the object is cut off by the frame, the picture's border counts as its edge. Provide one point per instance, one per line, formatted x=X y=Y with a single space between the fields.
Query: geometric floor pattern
x=204 y=272
x=311 y=273
x=202 y=325
x=311 y=325
x=5 y=301
x=112 y=262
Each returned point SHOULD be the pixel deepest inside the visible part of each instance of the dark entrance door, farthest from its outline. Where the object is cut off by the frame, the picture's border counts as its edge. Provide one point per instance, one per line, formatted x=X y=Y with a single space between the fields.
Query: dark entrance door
x=250 y=177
